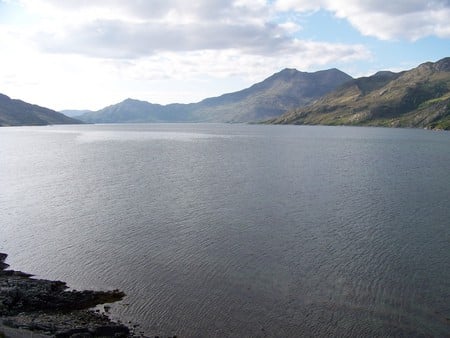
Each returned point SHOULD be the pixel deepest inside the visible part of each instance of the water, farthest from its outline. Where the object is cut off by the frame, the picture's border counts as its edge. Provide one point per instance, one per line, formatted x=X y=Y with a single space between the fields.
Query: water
x=237 y=230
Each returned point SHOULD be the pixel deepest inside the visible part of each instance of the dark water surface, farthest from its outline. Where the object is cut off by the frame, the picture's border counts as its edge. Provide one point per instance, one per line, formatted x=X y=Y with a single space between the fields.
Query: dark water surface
x=238 y=230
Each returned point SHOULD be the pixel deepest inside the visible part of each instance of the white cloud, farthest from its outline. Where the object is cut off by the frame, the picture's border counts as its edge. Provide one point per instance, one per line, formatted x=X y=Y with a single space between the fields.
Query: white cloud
x=299 y=5
x=135 y=29
x=88 y=54
x=396 y=19
x=79 y=82
x=119 y=39
x=290 y=27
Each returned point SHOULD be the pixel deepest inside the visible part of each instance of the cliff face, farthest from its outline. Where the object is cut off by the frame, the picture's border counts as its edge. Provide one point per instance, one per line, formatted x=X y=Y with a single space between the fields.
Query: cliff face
x=20 y=113
x=417 y=98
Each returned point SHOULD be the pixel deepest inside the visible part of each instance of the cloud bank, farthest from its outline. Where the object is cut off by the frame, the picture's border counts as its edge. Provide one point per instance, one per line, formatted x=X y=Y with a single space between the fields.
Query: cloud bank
x=135 y=29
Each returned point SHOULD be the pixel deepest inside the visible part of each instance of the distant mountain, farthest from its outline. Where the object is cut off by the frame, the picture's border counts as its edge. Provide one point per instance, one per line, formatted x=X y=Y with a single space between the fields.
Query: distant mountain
x=20 y=113
x=417 y=98
x=271 y=97
x=275 y=95
x=74 y=112
x=134 y=111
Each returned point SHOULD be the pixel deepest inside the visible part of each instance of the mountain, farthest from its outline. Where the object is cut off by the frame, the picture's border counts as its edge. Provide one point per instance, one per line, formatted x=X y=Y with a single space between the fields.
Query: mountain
x=270 y=98
x=135 y=111
x=418 y=98
x=74 y=112
x=20 y=113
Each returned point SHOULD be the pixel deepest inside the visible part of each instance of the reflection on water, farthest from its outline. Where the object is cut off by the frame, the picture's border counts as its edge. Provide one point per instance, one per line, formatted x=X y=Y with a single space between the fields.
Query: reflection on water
x=140 y=136
x=237 y=230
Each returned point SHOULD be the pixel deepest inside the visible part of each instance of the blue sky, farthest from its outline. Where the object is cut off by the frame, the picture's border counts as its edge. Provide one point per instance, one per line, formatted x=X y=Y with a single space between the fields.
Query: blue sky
x=397 y=53
x=89 y=54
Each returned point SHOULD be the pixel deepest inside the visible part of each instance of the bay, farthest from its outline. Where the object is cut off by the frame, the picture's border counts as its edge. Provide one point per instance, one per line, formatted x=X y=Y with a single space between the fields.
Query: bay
x=237 y=230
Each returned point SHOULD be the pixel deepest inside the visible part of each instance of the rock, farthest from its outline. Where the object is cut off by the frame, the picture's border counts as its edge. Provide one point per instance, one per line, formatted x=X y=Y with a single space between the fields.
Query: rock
x=3 y=265
x=47 y=307
x=113 y=331
x=84 y=332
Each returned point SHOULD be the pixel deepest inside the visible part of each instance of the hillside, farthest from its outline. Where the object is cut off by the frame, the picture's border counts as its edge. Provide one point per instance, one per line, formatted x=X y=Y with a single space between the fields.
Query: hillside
x=129 y=110
x=275 y=95
x=418 y=98
x=20 y=113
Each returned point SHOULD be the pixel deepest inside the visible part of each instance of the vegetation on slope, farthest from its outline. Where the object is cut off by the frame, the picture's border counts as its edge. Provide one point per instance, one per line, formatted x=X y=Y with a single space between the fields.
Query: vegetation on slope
x=417 y=98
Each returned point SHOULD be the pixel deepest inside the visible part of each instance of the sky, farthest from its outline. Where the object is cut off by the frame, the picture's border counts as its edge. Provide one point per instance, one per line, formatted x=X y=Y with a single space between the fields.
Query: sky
x=88 y=54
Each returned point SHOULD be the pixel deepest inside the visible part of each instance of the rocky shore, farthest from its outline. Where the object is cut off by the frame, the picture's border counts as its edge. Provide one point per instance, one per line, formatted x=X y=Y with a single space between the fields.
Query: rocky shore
x=43 y=308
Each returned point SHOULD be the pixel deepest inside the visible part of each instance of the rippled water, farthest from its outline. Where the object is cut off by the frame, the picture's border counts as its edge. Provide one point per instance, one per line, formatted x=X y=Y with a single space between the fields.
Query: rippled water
x=238 y=230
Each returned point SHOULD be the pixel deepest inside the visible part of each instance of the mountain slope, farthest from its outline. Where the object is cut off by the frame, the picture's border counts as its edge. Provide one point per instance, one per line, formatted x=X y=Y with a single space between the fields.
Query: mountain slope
x=416 y=98
x=74 y=112
x=270 y=98
x=20 y=113
x=128 y=110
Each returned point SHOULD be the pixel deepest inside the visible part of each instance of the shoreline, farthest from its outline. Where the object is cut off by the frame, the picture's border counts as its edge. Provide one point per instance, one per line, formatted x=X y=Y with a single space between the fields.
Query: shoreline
x=43 y=308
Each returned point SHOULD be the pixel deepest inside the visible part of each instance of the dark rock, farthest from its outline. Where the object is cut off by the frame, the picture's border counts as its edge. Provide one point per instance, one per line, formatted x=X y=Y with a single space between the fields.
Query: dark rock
x=47 y=307
x=111 y=330
x=3 y=265
x=84 y=332
x=81 y=335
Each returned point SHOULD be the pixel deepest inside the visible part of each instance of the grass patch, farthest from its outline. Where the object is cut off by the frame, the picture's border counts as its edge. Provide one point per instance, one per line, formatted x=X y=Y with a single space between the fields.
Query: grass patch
x=443 y=124
x=433 y=101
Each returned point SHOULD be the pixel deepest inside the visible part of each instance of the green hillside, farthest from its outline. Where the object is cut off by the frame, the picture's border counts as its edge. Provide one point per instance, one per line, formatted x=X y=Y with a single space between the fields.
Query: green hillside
x=418 y=98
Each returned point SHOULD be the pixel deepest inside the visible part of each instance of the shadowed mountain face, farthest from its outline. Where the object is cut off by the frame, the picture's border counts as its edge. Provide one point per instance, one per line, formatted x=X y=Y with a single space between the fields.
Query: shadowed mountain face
x=19 y=113
x=416 y=98
x=270 y=98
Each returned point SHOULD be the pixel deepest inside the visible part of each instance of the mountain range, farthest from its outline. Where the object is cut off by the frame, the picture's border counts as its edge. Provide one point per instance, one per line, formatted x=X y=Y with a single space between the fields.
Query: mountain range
x=20 y=113
x=283 y=91
x=418 y=98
